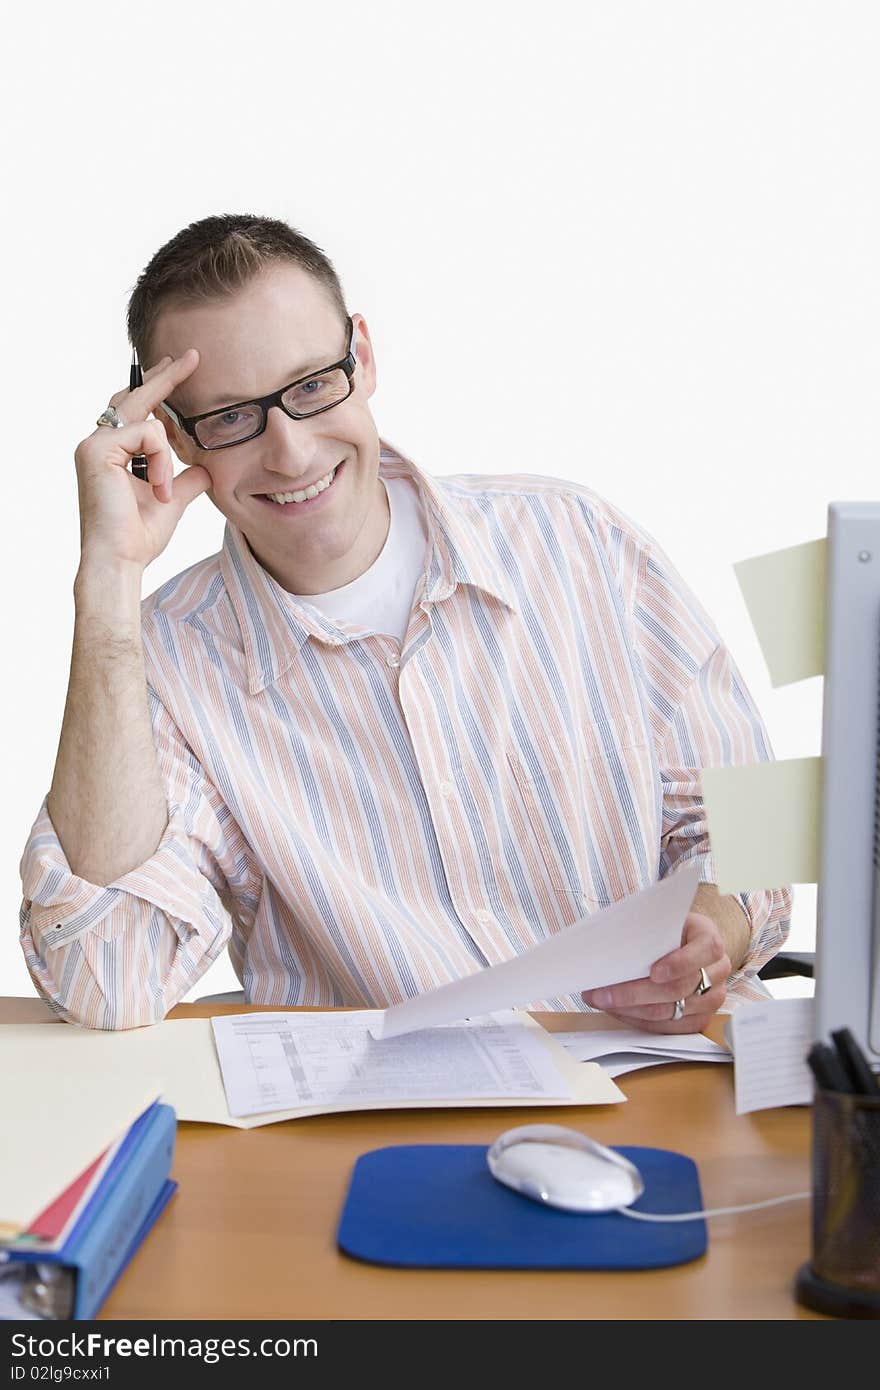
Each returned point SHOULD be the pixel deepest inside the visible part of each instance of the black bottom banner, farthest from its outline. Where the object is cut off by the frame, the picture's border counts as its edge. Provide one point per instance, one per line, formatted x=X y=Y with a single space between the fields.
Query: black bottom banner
x=317 y=1352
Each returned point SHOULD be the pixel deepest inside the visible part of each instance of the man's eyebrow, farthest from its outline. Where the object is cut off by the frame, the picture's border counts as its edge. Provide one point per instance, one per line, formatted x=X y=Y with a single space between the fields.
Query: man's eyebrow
x=312 y=365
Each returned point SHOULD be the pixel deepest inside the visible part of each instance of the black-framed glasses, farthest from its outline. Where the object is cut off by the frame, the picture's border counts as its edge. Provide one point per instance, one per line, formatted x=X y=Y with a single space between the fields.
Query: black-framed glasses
x=309 y=395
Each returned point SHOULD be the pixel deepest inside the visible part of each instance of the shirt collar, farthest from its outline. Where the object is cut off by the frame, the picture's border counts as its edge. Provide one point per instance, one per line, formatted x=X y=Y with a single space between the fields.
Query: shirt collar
x=275 y=625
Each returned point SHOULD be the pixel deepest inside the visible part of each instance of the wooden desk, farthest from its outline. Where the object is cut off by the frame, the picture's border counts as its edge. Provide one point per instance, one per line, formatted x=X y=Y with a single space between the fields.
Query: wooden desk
x=251 y=1232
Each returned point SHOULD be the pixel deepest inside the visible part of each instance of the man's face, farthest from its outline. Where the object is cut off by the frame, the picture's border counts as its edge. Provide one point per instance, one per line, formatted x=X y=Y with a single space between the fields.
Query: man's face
x=278 y=328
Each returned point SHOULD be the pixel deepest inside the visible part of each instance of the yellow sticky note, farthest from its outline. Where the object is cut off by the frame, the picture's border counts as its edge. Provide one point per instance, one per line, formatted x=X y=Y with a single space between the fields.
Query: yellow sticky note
x=785 y=595
x=764 y=823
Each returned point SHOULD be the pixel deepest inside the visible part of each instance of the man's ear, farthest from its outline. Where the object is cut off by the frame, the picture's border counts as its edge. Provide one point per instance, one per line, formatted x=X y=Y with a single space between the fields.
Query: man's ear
x=365 y=359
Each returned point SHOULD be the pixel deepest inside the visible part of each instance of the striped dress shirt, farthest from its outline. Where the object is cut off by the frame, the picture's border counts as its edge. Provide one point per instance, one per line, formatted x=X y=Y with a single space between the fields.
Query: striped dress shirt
x=360 y=820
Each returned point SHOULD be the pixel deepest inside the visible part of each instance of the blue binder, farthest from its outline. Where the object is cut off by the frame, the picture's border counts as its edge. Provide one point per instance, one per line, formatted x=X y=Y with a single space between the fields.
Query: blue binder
x=122 y=1209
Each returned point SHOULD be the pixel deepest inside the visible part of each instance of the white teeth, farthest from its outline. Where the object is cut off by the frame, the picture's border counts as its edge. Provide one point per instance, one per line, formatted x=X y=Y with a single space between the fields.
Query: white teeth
x=320 y=486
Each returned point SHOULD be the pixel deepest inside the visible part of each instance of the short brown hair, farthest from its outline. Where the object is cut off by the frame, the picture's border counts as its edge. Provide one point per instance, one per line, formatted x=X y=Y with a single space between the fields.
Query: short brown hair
x=214 y=258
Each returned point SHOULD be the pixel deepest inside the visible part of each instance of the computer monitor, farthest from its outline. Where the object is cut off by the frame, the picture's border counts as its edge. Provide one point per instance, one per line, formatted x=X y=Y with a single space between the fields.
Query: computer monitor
x=847 y=968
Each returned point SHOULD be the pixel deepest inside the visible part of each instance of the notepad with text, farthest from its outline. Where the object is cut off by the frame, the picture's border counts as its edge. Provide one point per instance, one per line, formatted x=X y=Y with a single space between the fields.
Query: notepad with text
x=770 y=1043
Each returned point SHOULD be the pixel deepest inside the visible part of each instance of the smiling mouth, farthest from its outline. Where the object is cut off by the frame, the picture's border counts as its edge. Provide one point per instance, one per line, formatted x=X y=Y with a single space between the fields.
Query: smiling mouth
x=298 y=498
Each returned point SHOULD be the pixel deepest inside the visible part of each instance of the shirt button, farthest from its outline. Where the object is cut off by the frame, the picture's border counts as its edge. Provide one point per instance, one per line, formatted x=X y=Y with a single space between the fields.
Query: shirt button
x=483 y=915
x=446 y=788
x=392 y=660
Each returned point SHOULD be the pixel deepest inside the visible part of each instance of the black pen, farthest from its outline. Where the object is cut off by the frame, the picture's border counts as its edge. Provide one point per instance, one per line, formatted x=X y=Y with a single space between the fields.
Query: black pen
x=855 y=1064
x=849 y=1059
x=827 y=1068
x=135 y=379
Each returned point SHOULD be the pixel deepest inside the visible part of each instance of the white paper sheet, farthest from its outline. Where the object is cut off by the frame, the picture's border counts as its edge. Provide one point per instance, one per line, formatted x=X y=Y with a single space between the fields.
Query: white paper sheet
x=619 y=1063
x=602 y=1045
x=279 y=1061
x=620 y=942
x=770 y=1043
x=56 y=1122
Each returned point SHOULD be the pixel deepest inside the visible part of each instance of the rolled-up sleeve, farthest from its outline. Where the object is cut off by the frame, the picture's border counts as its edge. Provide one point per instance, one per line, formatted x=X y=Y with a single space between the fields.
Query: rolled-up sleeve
x=121 y=955
x=702 y=716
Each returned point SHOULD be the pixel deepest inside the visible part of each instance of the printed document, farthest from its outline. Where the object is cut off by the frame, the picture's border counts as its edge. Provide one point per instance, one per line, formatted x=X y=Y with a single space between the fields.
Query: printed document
x=280 y=1061
x=91 y=1065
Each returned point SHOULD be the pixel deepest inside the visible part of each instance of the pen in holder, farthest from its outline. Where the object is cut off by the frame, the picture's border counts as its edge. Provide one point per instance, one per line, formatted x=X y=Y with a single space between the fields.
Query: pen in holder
x=843 y=1276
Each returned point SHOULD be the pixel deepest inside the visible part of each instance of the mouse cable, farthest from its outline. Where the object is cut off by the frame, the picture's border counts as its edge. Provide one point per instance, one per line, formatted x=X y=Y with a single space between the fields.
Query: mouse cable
x=715 y=1211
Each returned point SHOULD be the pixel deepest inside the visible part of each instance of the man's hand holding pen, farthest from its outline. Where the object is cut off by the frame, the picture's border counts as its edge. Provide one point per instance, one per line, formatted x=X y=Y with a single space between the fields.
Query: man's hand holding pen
x=123 y=519
x=136 y=379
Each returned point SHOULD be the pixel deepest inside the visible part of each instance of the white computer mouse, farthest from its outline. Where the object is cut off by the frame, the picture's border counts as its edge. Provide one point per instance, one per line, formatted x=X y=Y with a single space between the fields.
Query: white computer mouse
x=563 y=1168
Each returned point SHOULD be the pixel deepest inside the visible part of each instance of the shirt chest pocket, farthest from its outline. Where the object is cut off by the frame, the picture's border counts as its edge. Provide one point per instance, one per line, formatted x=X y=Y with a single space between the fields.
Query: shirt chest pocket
x=587 y=813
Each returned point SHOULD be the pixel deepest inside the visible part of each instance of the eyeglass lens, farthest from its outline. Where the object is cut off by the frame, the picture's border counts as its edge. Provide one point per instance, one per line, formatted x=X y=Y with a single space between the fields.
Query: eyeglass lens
x=305 y=398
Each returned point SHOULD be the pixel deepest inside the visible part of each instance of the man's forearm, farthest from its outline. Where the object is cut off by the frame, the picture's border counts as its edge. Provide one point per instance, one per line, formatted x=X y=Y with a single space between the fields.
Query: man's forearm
x=107 y=801
x=730 y=918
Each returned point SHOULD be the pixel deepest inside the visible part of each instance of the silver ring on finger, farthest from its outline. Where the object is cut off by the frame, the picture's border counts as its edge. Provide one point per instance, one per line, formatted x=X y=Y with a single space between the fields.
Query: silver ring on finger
x=704 y=984
x=677 y=1010
x=111 y=416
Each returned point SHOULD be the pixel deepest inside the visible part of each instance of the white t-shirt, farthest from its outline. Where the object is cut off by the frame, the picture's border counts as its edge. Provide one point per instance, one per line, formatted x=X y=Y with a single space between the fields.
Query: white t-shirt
x=380 y=599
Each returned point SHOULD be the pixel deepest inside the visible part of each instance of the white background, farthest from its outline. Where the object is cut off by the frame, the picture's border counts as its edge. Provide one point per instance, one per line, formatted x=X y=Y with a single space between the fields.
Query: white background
x=665 y=217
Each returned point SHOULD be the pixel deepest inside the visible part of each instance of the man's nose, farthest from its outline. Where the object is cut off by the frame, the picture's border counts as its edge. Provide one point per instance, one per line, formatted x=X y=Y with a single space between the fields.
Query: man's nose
x=292 y=443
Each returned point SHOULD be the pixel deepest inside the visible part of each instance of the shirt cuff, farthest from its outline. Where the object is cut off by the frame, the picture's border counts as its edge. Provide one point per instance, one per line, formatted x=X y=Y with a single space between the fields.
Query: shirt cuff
x=59 y=906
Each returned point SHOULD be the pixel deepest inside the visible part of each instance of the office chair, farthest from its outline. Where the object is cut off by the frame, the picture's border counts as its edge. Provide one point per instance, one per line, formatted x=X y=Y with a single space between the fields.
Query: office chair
x=788 y=963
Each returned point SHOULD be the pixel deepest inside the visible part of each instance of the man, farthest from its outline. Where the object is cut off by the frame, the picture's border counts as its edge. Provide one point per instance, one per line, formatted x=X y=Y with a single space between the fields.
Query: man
x=398 y=729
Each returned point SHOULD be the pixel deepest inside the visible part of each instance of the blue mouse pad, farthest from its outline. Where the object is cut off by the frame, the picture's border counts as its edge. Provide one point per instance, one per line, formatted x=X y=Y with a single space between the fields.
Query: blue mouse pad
x=437 y=1206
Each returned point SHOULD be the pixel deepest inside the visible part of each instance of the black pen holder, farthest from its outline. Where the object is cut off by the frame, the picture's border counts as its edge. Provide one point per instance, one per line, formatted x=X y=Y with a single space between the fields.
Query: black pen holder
x=843 y=1276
